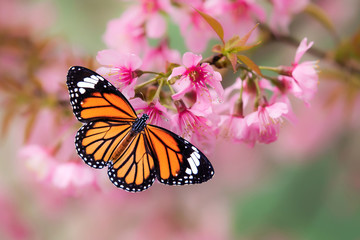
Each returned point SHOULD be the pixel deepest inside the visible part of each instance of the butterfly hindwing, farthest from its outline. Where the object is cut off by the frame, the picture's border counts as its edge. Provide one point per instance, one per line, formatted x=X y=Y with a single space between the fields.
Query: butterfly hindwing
x=96 y=141
x=134 y=170
x=178 y=161
x=94 y=98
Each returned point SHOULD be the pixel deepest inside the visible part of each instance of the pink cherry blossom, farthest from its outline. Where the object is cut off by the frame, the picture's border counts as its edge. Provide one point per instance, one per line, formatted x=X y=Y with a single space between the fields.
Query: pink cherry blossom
x=283 y=11
x=157 y=113
x=196 y=76
x=158 y=57
x=119 y=69
x=233 y=124
x=303 y=78
x=231 y=96
x=231 y=127
x=237 y=17
x=69 y=175
x=188 y=122
x=193 y=27
x=155 y=23
x=267 y=120
x=126 y=34
x=38 y=161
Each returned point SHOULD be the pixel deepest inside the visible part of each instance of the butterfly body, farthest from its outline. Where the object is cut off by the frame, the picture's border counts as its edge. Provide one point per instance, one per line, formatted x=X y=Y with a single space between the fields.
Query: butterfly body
x=134 y=151
x=137 y=127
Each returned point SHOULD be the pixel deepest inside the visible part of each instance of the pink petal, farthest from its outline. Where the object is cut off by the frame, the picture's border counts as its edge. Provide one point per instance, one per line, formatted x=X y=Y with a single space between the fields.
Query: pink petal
x=111 y=74
x=184 y=86
x=190 y=59
x=307 y=79
x=218 y=88
x=303 y=47
x=63 y=175
x=103 y=71
x=305 y=71
x=276 y=110
x=235 y=86
x=128 y=91
x=132 y=61
x=155 y=26
x=109 y=57
x=279 y=22
x=126 y=34
x=202 y=106
x=177 y=71
x=138 y=103
x=258 y=11
x=252 y=118
x=159 y=106
x=193 y=43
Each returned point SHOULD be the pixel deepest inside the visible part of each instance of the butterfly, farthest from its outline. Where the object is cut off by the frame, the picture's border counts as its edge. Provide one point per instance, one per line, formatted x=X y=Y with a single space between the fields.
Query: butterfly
x=113 y=136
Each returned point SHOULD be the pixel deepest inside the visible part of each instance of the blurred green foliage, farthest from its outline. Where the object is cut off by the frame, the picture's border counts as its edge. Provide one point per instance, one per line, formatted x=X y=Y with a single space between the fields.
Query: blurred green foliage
x=311 y=201
x=83 y=22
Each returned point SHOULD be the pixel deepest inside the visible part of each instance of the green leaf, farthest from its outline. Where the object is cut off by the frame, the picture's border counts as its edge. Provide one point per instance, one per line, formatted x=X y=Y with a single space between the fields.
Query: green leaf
x=245 y=38
x=214 y=24
x=217 y=48
x=232 y=42
x=319 y=14
x=233 y=60
x=246 y=47
x=248 y=62
x=237 y=44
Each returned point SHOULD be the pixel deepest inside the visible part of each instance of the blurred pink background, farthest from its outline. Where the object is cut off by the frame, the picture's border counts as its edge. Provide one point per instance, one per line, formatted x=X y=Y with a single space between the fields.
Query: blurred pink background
x=306 y=185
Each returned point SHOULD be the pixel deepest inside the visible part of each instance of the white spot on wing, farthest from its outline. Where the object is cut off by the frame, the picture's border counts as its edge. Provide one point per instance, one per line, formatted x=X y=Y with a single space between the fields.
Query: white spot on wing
x=82 y=90
x=195 y=159
x=94 y=77
x=188 y=171
x=192 y=165
x=85 y=85
x=91 y=80
x=195 y=149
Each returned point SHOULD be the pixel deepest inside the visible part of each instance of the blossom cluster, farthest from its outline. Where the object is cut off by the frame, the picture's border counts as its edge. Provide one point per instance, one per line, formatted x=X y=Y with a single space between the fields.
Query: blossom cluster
x=203 y=107
x=187 y=95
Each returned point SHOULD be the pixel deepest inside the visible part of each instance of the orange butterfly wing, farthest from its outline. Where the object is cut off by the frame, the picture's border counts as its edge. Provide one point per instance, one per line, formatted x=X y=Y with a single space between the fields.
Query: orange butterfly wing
x=94 y=98
x=97 y=141
x=134 y=170
x=178 y=162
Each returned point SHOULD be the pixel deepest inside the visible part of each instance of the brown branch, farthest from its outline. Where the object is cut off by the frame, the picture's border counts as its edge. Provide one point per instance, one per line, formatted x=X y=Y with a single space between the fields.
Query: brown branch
x=313 y=50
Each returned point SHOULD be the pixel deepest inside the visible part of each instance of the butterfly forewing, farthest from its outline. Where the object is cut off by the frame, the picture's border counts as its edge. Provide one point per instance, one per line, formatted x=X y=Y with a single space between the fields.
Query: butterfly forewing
x=94 y=98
